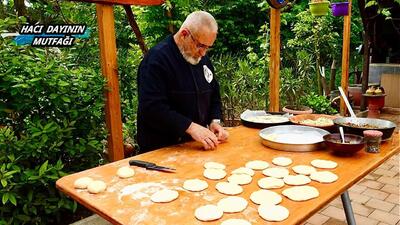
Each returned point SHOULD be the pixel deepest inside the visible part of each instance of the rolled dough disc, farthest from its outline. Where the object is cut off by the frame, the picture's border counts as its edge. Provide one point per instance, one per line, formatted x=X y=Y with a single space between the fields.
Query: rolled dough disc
x=96 y=187
x=270 y=183
x=324 y=164
x=301 y=193
x=228 y=188
x=273 y=212
x=236 y=222
x=164 y=195
x=324 y=177
x=195 y=185
x=240 y=179
x=125 y=172
x=303 y=169
x=276 y=172
x=208 y=213
x=232 y=204
x=214 y=174
x=296 y=179
x=282 y=161
x=214 y=165
x=243 y=170
x=257 y=165
x=82 y=183
x=265 y=197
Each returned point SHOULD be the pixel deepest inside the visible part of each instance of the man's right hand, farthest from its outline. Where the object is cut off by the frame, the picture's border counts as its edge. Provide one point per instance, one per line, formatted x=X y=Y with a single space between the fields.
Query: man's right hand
x=203 y=135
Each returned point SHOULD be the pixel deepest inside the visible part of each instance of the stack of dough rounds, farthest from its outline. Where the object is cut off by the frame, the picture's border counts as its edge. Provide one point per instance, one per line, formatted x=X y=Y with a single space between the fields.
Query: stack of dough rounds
x=228 y=188
x=82 y=183
x=304 y=169
x=240 y=179
x=276 y=172
x=271 y=212
x=324 y=164
x=324 y=177
x=232 y=204
x=243 y=170
x=164 y=196
x=236 y=222
x=301 y=193
x=296 y=179
x=214 y=165
x=265 y=197
x=125 y=172
x=214 y=174
x=96 y=187
x=195 y=185
x=257 y=165
x=208 y=213
x=282 y=161
x=270 y=183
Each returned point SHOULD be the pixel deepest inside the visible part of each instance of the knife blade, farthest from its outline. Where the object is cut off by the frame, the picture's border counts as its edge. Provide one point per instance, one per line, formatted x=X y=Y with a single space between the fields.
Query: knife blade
x=150 y=165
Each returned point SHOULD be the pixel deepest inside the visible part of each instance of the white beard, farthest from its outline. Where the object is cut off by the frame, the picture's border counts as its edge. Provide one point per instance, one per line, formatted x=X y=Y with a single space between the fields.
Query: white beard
x=188 y=58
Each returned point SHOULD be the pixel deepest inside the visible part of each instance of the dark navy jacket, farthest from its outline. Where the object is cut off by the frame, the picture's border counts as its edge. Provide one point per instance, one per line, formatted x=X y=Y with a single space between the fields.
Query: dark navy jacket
x=173 y=93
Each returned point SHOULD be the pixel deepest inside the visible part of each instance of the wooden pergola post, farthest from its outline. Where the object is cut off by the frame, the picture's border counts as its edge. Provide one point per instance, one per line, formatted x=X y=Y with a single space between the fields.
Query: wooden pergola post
x=345 y=58
x=275 y=45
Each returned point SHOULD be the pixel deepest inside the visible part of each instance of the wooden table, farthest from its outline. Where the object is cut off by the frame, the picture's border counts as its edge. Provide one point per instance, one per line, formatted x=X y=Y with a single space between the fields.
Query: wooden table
x=133 y=206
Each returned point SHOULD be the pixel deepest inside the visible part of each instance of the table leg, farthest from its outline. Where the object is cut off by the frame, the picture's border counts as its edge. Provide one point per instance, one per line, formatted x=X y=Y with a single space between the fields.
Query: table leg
x=348 y=210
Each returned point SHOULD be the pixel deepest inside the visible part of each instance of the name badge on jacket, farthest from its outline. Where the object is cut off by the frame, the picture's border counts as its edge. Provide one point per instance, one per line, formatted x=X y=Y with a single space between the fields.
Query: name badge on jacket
x=207 y=74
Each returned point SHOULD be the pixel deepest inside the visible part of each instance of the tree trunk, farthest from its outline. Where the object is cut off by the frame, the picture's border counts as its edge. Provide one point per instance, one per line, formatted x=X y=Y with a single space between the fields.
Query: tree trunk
x=333 y=76
x=20 y=7
x=135 y=28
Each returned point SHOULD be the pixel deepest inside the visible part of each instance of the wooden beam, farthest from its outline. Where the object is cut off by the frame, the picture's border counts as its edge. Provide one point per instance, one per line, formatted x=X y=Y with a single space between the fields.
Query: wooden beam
x=124 y=2
x=109 y=68
x=345 y=58
x=135 y=29
x=275 y=46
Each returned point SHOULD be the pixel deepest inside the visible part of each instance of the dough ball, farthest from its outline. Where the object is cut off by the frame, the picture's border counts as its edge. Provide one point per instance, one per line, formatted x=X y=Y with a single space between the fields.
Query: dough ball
x=265 y=197
x=324 y=177
x=240 y=179
x=273 y=212
x=276 y=172
x=214 y=174
x=296 y=179
x=270 y=183
x=82 y=183
x=243 y=170
x=125 y=172
x=232 y=204
x=257 y=165
x=228 y=188
x=214 y=165
x=208 y=213
x=324 y=164
x=303 y=169
x=236 y=222
x=195 y=185
x=96 y=187
x=164 y=196
x=282 y=161
x=301 y=193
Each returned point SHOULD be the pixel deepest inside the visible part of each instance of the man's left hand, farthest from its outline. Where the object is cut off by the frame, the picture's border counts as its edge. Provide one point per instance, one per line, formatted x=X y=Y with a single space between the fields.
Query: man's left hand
x=218 y=130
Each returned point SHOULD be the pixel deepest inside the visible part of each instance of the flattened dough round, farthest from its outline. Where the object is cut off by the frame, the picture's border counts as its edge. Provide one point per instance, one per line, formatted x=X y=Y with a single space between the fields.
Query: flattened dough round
x=265 y=197
x=96 y=187
x=208 y=213
x=276 y=172
x=214 y=165
x=324 y=164
x=257 y=165
x=243 y=170
x=324 y=177
x=273 y=212
x=296 y=179
x=236 y=222
x=125 y=172
x=301 y=193
x=240 y=179
x=228 y=188
x=82 y=183
x=195 y=185
x=232 y=204
x=303 y=169
x=214 y=174
x=282 y=161
x=270 y=183
x=164 y=195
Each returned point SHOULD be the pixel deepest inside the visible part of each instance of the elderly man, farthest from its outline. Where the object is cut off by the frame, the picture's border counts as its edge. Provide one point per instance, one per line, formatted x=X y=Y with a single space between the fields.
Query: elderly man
x=179 y=97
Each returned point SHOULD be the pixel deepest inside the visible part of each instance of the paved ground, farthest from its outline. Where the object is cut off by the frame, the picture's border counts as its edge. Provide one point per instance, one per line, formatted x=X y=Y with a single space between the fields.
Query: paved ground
x=375 y=199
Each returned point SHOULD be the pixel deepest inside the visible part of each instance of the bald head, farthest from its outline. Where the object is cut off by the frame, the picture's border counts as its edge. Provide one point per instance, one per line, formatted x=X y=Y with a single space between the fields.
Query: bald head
x=200 y=21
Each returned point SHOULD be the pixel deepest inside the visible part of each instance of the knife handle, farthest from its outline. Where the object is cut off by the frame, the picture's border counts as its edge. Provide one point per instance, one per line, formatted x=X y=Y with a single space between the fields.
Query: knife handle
x=141 y=163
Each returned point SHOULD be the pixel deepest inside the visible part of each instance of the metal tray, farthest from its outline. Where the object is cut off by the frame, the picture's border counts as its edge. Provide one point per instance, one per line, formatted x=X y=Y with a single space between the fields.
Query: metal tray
x=244 y=118
x=293 y=138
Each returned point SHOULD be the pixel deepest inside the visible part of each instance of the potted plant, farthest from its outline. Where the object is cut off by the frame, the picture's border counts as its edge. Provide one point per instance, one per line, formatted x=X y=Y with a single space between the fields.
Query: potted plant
x=318 y=103
x=340 y=8
x=319 y=7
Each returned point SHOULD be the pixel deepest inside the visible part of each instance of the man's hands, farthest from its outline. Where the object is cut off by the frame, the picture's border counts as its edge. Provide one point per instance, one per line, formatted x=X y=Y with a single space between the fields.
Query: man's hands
x=210 y=138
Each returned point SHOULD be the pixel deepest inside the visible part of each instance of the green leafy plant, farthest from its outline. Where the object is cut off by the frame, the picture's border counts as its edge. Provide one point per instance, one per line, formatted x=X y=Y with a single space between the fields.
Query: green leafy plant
x=318 y=103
